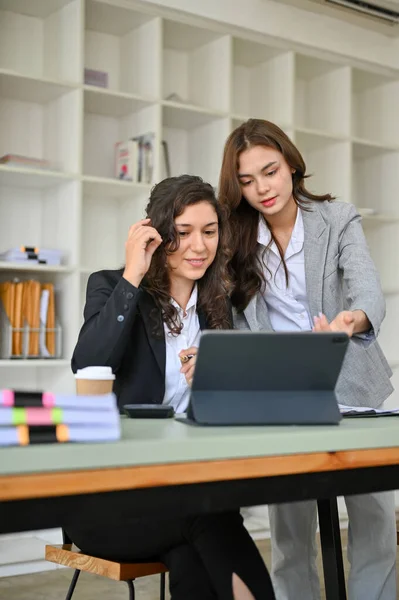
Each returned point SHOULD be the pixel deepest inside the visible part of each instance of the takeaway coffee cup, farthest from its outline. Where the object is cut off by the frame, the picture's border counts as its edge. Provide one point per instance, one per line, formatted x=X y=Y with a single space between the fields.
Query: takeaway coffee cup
x=94 y=380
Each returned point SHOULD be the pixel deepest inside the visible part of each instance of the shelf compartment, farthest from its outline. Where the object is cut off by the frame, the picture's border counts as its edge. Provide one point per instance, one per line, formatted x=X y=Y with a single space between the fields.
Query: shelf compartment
x=103 y=131
x=105 y=227
x=44 y=218
x=256 y=69
x=196 y=66
x=322 y=95
x=116 y=38
x=195 y=143
x=41 y=38
x=328 y=161
x=375 y=181
x=375 y=99
x=45 y=129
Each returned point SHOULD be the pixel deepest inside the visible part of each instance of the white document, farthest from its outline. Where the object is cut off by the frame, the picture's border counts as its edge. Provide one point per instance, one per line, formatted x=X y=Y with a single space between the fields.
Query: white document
x=44 y=300
x=367 y=409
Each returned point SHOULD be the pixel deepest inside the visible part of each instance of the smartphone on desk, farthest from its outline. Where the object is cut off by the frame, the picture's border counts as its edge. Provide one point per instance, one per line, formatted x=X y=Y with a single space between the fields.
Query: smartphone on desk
x=148 y=411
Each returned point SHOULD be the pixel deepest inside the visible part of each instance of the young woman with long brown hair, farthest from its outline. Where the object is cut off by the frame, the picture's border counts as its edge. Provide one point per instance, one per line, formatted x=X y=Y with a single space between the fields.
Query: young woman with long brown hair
x=300 y=262
x=140 y=320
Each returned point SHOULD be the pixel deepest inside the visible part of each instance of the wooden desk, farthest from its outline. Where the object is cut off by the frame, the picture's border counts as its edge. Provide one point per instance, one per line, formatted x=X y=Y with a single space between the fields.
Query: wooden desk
x=186 y=469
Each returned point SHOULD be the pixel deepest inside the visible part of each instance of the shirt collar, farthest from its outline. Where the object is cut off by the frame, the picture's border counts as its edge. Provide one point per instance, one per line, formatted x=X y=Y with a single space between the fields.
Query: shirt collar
x=264 y=235
x=298 y=233
x=192 y=302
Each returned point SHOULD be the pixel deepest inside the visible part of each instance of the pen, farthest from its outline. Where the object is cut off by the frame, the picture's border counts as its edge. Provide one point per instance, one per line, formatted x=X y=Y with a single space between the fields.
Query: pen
x=186 y=357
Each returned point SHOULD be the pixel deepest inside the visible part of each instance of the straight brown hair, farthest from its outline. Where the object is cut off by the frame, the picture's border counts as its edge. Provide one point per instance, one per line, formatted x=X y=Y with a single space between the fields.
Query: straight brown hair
x=245 y=267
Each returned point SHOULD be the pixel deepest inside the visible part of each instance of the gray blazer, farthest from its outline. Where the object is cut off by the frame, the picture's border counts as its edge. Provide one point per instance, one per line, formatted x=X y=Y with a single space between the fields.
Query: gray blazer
x=340 y=275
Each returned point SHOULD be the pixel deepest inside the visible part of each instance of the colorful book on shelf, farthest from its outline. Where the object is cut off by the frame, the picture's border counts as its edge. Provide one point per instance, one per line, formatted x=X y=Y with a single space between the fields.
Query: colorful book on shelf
x=14 y=398
x=23 y=435
x=96 y=78
x=134 y=159
x=146 y=145
x=126 y=160
x=18 y=160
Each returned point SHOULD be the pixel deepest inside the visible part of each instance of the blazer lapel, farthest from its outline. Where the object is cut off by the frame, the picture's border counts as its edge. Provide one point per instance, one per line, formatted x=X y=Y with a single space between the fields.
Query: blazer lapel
x=257 y=315
x=147 y=304
x=262 y=314
x=315 y=250
x=250 y=314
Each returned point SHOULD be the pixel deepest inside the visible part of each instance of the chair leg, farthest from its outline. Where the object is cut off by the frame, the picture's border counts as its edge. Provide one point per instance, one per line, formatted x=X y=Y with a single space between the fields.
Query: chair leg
x=162 y=587
x=73 y=584
x=130 y=585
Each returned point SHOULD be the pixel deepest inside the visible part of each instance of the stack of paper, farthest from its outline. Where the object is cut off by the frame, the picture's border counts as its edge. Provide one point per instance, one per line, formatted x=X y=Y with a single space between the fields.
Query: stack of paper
x=366 y=411
x=33 y=254
x=43 y=418
x=30 y=310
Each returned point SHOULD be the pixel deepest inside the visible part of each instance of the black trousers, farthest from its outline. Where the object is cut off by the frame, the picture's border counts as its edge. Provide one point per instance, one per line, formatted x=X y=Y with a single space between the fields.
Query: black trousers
x=201 y=552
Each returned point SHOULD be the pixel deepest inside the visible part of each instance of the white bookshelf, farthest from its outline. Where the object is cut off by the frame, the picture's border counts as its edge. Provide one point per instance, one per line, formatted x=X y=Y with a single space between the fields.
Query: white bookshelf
x=189 y=82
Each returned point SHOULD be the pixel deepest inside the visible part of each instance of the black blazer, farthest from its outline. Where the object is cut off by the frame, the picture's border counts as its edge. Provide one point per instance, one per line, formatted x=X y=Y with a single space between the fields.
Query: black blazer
x=117 y=332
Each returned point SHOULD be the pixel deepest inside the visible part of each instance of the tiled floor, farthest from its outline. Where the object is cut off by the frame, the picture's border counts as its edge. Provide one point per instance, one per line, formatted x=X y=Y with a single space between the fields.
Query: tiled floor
x=52 y=585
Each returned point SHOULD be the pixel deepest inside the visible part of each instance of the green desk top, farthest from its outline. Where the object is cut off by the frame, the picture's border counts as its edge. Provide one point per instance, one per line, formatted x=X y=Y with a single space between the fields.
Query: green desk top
x=162 y=441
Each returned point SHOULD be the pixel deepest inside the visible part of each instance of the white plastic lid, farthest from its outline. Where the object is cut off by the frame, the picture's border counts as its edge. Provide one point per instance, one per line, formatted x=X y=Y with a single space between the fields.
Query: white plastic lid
x=104 y=373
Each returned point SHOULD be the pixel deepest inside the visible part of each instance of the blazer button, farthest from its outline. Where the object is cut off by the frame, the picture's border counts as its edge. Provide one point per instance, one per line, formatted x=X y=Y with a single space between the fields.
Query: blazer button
x=120 y=318
x=125 y=307
x=129 y=295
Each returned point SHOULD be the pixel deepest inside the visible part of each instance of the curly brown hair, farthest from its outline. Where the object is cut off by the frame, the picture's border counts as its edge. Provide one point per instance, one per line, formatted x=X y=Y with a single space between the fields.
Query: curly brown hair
x=246 y=268
x=168 y=199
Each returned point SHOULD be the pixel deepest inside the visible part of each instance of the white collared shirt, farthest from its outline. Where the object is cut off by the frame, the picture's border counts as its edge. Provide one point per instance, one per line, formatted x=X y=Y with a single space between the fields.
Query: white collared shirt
x=177 y=392
x=288 y=306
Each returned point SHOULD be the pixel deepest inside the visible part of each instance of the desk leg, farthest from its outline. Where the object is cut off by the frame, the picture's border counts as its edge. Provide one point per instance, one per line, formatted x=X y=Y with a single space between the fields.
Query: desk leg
x=330 y=537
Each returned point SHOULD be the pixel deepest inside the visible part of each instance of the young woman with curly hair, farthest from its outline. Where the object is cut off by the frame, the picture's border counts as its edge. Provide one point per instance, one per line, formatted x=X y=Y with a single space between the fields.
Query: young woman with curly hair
x=139 y=320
